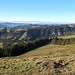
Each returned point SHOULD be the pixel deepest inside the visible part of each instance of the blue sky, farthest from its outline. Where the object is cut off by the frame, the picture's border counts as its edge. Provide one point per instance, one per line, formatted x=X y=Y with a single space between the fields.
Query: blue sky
x=37 y=10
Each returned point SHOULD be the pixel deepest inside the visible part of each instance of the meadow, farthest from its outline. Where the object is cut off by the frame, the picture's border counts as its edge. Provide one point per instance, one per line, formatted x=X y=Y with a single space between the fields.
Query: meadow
x=67 y=36
x=47 y=60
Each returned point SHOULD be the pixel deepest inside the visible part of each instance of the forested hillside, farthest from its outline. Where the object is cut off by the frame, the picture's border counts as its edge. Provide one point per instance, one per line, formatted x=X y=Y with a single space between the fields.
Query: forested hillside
x=32 y=32
x=37 y=50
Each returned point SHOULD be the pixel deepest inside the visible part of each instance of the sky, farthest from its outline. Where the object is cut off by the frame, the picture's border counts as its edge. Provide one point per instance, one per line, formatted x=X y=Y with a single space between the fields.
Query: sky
x=37 y=10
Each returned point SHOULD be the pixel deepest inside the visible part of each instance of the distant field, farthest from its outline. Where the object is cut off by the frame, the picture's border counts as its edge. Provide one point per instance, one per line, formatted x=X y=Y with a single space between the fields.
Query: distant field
x=20 y=29
x=23 y=36
x=67 y=36
x=1 y=45
x=1 y=29
x=8 y=29
x=47 y=60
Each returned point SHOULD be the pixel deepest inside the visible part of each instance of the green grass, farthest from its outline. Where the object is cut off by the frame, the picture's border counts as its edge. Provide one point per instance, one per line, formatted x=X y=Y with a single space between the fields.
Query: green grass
x=41 y=61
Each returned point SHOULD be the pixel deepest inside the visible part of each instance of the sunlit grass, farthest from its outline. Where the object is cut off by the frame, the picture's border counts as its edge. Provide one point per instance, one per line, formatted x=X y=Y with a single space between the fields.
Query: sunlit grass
x=41 y=61
x=67 y=36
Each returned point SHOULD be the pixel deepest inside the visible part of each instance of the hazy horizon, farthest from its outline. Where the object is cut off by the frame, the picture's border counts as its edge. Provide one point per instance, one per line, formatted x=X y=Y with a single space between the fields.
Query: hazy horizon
x=37 y=22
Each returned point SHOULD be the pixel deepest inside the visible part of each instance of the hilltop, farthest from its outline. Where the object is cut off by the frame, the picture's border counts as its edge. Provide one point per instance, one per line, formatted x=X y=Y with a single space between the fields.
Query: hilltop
x=47 y=60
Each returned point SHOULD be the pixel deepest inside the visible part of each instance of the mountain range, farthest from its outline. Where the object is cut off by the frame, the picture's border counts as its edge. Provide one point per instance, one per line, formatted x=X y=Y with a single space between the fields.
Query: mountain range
x=22 y=23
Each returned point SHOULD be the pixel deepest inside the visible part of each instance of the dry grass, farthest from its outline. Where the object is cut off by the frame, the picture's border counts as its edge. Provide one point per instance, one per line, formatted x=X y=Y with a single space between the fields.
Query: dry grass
x=45 y=60
x=52 y=50
x=1 y=45
x=67 y=36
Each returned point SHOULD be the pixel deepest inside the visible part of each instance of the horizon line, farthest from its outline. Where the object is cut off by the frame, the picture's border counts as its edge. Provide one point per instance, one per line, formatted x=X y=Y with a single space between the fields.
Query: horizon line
x=38 y=21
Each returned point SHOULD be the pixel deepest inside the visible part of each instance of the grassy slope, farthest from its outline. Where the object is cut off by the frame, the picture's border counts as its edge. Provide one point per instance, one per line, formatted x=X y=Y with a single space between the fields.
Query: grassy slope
x=41 y=61
x=1 y=45
x=68 y=36
x=23 y=36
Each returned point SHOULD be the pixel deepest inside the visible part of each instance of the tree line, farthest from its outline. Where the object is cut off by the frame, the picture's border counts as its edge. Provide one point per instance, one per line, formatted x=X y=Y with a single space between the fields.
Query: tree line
x=23 y=47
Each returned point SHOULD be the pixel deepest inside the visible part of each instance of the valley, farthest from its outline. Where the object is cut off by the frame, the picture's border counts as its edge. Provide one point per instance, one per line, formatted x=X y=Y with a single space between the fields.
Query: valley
x=37 y=37
x=37 y=50
x=31 y=32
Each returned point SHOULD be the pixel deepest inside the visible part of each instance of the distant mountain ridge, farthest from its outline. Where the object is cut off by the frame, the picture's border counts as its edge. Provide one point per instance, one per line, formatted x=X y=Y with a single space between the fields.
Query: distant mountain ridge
x=9 y=24
x=21 y=23
x=34 y=31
